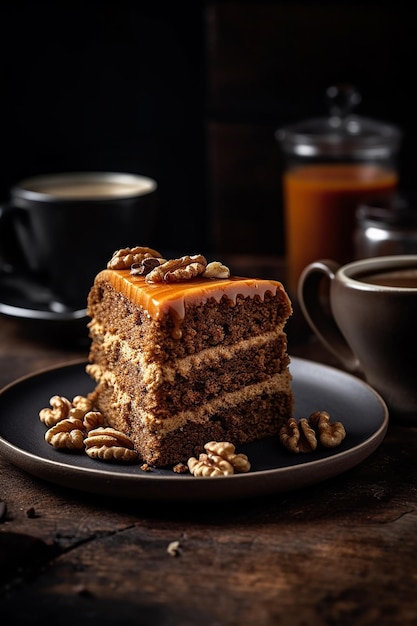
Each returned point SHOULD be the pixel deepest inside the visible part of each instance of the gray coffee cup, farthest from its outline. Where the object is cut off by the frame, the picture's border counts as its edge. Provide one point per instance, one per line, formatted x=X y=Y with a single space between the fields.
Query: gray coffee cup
x=63 y=228
x=365 y=313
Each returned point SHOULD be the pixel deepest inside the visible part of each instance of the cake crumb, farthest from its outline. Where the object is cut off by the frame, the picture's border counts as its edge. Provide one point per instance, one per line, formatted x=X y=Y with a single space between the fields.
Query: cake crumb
x=180 y=468
x=82 y=590
x=174 y=548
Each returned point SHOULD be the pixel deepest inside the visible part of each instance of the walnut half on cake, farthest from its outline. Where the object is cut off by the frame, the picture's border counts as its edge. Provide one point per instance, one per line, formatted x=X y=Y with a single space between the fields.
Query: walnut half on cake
x=182 y=353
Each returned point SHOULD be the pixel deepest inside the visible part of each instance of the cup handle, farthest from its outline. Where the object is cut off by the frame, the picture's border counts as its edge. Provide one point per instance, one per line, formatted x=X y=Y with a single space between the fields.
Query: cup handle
x=11 y=253
x=313 y=294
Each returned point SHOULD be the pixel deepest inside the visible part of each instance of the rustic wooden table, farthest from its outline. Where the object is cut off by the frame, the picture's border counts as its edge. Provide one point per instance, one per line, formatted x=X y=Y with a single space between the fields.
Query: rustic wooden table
x=342 y=552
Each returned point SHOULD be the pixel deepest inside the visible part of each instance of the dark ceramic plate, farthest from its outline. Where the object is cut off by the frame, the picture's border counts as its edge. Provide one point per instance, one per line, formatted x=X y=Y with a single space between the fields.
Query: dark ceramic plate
x=274 y=469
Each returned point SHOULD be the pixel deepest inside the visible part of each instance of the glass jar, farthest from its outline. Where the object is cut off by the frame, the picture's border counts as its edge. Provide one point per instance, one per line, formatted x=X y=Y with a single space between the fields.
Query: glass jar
x=331 y=166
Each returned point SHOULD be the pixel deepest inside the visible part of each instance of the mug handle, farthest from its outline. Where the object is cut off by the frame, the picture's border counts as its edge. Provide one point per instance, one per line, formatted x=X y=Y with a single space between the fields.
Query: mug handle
x=313 y=294
x=11 y=254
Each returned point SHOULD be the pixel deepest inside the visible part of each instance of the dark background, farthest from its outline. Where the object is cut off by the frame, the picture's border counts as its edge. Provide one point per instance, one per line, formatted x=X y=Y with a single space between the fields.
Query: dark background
x=108 y=86
x=191 y=93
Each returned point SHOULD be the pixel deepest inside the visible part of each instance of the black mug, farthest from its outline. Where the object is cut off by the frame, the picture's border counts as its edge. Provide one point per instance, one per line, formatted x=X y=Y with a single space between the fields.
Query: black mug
x=63 y=228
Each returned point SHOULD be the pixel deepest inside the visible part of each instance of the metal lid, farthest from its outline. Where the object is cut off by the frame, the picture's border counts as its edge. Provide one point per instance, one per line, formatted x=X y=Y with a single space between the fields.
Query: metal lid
x=342 y=134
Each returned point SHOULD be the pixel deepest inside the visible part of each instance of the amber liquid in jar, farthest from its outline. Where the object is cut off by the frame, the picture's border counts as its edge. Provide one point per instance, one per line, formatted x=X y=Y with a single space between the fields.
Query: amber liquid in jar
x=320 y=203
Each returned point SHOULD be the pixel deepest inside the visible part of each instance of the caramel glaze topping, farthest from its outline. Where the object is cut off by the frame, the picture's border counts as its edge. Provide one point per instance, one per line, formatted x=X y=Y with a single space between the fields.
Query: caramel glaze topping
x=159 y=298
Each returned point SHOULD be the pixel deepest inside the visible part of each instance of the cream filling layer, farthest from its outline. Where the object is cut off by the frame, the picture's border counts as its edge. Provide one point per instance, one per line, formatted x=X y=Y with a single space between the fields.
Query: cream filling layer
x=278 y=383
x=154 y=374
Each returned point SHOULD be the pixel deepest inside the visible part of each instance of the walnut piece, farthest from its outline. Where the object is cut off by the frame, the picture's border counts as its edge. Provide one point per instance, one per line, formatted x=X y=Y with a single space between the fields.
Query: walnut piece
x=219 y=460
x=76 y=425
x=112 y=453
x=177 y=270
x=93 y=420
x=80 y=406
x=330 y=434
x=226 y=451
x=144 y=261
x=124 y=258
x=59 y=410
x=109 y=444
x=215 y=269
x=67 y=433
x=305 y=435
x=107 y=436
x=298 y=436
x=208 y=467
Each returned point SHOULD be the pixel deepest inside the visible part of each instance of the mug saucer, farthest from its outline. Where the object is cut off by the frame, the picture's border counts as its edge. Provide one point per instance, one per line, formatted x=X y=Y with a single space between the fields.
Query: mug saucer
x=25 y=298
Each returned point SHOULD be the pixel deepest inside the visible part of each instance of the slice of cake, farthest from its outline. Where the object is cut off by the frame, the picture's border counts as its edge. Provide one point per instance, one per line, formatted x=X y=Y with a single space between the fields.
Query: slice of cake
x=183 y=354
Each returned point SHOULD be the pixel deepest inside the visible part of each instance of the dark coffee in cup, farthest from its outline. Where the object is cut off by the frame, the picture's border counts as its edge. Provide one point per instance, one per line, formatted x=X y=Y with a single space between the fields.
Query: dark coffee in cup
x=406 y=278
x=89 y=186
x=68 y=225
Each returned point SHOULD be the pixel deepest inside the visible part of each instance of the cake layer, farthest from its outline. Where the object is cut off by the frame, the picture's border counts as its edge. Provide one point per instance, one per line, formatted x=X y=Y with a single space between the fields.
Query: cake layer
x=225 y=318
x=167 y=388
x=161 y=298
x=237 y=417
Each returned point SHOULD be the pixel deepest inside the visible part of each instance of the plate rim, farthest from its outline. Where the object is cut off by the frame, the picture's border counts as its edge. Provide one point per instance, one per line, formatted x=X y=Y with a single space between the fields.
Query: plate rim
x=237 y=485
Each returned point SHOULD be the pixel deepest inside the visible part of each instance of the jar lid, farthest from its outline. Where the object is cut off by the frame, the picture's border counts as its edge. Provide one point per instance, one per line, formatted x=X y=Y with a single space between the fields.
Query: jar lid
x=342 y=133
